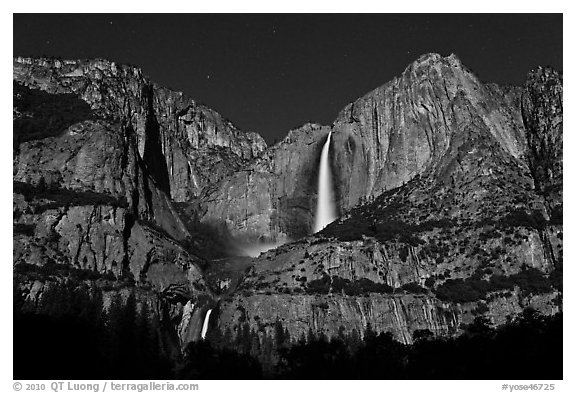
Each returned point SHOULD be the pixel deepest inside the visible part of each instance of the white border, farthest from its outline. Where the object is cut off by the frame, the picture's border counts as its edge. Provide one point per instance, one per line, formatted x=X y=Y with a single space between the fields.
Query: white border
x=303 y=6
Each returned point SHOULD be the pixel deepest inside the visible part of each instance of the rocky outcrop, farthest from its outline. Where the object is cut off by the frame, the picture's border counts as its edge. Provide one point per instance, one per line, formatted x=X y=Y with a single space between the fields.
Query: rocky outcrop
x=380 y=142
x=542 y=115
x=93 y=183
x=329 y=315
x=447 y=222
x=94 y=132
x=92 y=163
x=185 y=145
x=272 y=199
x=390 y=285
x=332 y=315
x=450 y=194
x=402 y=129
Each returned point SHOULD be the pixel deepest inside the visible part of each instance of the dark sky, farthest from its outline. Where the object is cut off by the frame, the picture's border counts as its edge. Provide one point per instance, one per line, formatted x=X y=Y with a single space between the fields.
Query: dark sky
x=272 y=73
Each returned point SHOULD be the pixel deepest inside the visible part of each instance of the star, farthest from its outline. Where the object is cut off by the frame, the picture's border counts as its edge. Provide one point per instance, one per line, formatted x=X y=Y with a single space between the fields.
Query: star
x=207 y=76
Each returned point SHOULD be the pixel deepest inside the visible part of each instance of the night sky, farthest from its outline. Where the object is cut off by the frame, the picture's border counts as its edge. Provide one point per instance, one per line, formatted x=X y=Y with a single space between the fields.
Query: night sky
x=272 y=73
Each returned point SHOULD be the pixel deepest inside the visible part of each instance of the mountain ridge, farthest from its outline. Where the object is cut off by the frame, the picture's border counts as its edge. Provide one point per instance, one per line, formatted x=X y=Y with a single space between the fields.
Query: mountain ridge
x=449 y=189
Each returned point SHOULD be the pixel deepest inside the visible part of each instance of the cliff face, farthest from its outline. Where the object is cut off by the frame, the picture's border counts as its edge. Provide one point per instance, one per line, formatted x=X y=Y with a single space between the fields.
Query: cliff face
x=542 y=115
x=100 y=154
x=325 y=285
x=450 y=223
x=185 y=145
x=272 y=199
x=332 y=315
x=450 y=192
x=381 y=141
x=329 y=315
x=402 y=129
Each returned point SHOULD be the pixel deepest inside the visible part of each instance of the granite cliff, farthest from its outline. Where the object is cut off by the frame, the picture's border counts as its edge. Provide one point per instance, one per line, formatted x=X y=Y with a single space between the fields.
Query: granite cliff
x=443 y=218
x=100 y=156
x=273 y=199
x=381 y=141
x=184 y=144
x=449 y=190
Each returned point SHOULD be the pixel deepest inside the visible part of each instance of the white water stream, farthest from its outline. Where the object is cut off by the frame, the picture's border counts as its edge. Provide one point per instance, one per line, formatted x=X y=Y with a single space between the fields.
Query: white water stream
x=325 y=208
x=205 y=325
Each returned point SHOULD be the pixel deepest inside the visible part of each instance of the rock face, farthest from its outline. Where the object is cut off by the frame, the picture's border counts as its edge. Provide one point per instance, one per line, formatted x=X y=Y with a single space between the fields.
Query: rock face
x=449 y=190
x=100 y=154
x=450 y=222
x=332 y=314
x=542 y=115
x=402 y=129
x=400 y=315
x=381 y=141
x=273 y=198
x=185 y=145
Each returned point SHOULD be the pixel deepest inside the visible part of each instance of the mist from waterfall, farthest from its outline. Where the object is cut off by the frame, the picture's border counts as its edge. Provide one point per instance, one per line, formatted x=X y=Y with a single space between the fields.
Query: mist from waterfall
x=325 y=208
x=205 y=325
x=255 y=249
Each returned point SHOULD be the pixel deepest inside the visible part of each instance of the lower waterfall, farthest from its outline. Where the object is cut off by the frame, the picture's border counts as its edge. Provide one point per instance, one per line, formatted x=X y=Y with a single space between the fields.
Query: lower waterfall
x=205 y=325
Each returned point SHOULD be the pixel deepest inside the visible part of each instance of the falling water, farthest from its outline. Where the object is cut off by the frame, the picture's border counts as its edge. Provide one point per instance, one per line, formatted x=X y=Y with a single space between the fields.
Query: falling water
x=325 y=209
x=205 y=326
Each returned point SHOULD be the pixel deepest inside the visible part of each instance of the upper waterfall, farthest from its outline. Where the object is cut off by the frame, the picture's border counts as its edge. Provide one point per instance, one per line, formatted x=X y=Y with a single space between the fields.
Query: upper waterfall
x=325 y=207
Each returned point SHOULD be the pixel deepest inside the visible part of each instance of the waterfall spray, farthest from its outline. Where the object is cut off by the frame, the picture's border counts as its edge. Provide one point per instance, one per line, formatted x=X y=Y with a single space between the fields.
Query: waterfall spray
x=205 y=326
x=325 y=208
